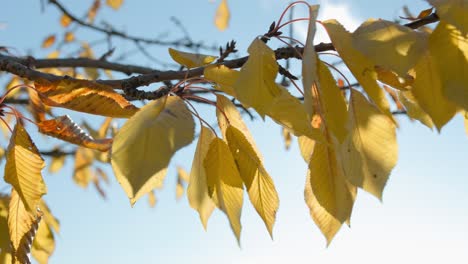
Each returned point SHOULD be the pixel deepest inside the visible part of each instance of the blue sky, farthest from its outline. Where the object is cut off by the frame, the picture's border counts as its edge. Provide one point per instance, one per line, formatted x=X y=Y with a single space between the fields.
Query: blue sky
x=422 y=218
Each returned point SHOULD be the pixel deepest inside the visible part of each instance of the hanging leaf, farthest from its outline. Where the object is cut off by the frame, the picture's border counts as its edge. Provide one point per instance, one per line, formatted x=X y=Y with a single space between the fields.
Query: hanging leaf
x=44 y=244
x=182 y=178
x=93 y=10
x=453 y=12
x=466 y=122
x=366 y=161
x=222 y=16
x=190 y=60
x=256 y=85
x=85 y=96
x=56 y=162
x=224 y=183
x=309 y=62
x=389 y=45
x=82 y=174
x=69 y=37
x=449 y=52
x=22 y=225
x=306 y=146
x=362 y=69
x=4 y=238
x=65 y=129
x=152 y=199
x=287 y=138
x=260 y=186
x=427 y=90
x=115 y=4
x=145 y=144
x=65 y=20
x=197 y=190
x=223 y=77
x=413 y=110
x=327 y=224
x=23 y=168
x=48 y=41
x=391 y=78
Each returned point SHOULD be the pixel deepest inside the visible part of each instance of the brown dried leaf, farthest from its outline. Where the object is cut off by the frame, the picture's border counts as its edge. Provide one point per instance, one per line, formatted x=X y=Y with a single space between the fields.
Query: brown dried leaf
x=93 y=10
x=85 y=96
x=65 y=129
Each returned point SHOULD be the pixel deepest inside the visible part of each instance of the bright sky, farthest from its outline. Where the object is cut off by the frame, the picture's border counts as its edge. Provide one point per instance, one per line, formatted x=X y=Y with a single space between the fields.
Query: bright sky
x=422 y=219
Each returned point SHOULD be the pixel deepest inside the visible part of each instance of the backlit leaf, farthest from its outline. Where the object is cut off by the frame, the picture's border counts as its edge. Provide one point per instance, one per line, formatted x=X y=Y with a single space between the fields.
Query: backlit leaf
x=224 y=77
x=453 y=12
x=449 y=52
x=56 y=163
x=152 y=199
x=256 y=85
x=69 y=36
x=309 y=62
x=82 y=174
x=259 y=184
x=44 y=244
x=48 y=41
x=197 y=190
x=389 y=45
x=4 y=238
x=466 y=122
x=287 y=138
x=427 y=90
x=85 y=96
x=115 y=4
x=65 y=129
x=93 y=10
x=22 y=226
x=371 y=151
x=23 y=168
x=182 y=178
x=413 y=110
x=65 y=20
x=190 y=60
x=224 y=183
x=327 y=224
x=145 y=144
x=222 y=16
x=306 y=146
x=361 y=67
x=328 y=182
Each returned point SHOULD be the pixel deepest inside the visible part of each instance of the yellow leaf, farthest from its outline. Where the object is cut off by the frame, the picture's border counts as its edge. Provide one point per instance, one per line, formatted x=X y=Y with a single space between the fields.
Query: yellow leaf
x=48 y=41
x=197 y=190
x=427 y=90
x=371 y=151
x=82 y=174
x=22 y=225
x=56 y=163
x=391 y=78
x=329 y=183
x=224 y=183
x=5 y=257
x=309 y=62
x=389 y=45
x=4 y=237
x=287 y=138
x=48 y=218
x=44 y=244
x=65 y=129
x=453 y=12
x=115 y=4
x=152 y=199
x=449 y=51
x=306 y=146
x=93 y=10
x=256 y=85
x=260 y=186
x=362 y=69
x=53 y=55
x=327 y=224
x=145 y=144
x=223 y=77
x=466 y=122
x=69 y=36
x=23 y=168
x=288 y=111
x=182 y=176
x=222 y=16
x=190 y=60
x=85 y=96
x=65 y=20
x=413 y=110
x=332 y=103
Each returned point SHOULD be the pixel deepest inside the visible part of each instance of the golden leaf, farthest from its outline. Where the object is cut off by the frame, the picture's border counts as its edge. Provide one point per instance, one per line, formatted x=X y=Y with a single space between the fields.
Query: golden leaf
x=389 y=45
x=449 y=53
x=4 y=237
x=366 y=160
x=287 y=138
x=223 y=77
x=85 y=96
x=256 y=85
x=222 y=16
x=145 y=144
x=391 y=78
x=69 y=36
x=22 y=225
x=23 y=168
x=362 y=69
x=44 y=244
x=48 y=41
x=224 y=183
x=260 y=186
x=182 y=176
x=65 y=20
x=197 y=190
x=115 y=4
x=93 y=10
x=82 y=174
x=56 y=163
x=453 y=12
x=190 y=60
x=65 y=129
x=413 y=110
x=152 y=199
